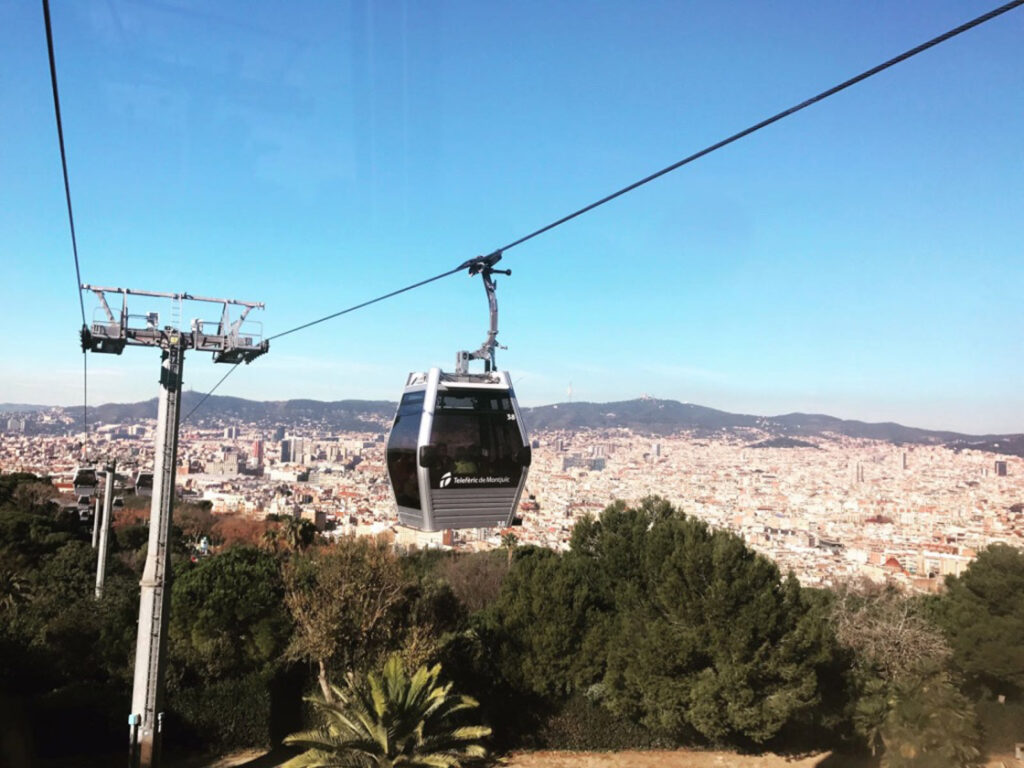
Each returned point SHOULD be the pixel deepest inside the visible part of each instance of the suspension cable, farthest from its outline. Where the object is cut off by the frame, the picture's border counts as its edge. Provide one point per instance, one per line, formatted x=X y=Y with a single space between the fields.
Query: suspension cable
x=71 y=217
x=203 y=399
x=674 y=166
x=773 y=119
x=321 y=320
x=371 y=301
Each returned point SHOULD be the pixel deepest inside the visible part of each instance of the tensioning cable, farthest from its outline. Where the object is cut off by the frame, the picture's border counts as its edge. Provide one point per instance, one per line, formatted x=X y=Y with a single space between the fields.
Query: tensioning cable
x=71 y=218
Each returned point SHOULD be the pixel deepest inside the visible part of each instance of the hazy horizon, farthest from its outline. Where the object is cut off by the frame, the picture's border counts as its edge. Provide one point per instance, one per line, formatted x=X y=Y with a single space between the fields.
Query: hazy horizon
x=940 y=428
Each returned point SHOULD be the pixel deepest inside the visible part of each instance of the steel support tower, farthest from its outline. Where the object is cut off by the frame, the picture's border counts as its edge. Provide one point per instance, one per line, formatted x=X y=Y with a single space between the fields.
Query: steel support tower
x=230 y=342
x=104 y=528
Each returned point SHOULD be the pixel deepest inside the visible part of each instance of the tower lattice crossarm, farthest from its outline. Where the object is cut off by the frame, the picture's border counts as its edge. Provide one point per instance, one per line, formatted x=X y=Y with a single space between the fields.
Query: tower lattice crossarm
x=231 y=341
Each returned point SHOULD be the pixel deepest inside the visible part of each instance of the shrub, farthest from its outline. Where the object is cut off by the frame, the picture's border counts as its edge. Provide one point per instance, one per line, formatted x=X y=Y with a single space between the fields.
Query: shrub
x=224 y=714
x=581 y=724
x=1002 y=725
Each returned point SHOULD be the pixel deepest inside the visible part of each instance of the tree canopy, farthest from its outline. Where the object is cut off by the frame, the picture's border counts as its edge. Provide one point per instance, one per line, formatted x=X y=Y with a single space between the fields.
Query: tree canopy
x=343 y=600
x=667 y=622
x=983 y=616
x=226 y=614
x=652 y=628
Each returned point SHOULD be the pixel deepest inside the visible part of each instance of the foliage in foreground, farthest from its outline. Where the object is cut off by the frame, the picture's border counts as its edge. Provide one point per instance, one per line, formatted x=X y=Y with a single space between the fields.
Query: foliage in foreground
x=930 y=724
x=391 y=719
x=652 y=630
x=668 y=623
x=982 y=614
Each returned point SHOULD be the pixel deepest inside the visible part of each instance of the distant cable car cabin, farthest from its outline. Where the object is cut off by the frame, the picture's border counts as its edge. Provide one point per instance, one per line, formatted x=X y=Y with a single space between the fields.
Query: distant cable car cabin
x=457 y=455
x=85 y=481
x=143 y=483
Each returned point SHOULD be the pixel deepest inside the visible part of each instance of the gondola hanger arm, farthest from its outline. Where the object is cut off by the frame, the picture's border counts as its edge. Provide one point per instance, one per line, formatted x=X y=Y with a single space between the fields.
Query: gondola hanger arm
x=484 y=266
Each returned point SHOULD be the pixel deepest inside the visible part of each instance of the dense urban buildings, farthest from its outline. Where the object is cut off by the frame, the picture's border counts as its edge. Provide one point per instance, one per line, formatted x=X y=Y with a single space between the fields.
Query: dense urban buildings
x=827 y=508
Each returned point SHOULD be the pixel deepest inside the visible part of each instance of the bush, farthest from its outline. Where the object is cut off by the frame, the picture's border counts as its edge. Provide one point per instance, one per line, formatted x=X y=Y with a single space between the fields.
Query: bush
x=930 y=724
x=476 y=578
x=583 y=725
x=1002 y=725
x=225 y=714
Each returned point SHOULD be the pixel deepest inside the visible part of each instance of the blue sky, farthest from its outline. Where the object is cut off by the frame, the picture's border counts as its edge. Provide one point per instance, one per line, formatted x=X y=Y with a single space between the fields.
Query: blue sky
x=862 y=258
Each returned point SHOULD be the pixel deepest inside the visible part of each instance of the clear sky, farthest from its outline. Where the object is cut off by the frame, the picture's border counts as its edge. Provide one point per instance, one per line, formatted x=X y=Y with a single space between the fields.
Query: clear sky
x=862 y=258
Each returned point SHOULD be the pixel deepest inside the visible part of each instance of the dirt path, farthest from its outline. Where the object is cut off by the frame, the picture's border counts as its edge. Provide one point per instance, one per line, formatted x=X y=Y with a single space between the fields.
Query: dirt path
x=681 y=758
x=647 y=759
x=684 y=758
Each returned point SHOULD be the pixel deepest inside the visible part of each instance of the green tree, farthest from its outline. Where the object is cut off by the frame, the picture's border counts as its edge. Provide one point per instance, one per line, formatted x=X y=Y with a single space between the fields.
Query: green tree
x=891 y=641
x=28 y=538
x=344 y=600
x=728 y=650
x=930 y=724
x=227 y=614
x=982 y=614
x=546 y=611
x=668 y=623
x=392 y=719
x=298 y=534
x=64 y=655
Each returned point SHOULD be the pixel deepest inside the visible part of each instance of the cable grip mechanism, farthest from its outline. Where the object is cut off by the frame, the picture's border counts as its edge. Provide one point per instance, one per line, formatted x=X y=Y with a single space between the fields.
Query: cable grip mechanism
x=484 y=266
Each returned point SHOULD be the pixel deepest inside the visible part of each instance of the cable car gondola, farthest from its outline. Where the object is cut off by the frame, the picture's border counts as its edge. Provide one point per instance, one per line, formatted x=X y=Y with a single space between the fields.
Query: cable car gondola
x=143 y=483
x=84 y=481
x=458 y=453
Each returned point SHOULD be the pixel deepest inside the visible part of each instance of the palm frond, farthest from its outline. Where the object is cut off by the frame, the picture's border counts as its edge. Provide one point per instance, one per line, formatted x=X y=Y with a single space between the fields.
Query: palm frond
x=391 y=719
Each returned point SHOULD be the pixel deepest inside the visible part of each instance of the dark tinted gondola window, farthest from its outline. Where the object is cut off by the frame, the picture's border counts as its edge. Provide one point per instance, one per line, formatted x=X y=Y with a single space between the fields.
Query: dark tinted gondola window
x=401 y=452
x=474 y=400
x=476 y=434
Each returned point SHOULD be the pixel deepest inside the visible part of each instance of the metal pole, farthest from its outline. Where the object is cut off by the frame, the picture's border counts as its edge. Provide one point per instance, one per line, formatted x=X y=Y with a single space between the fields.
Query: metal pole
x=133 y=740
x=95 y=523
x=154 y=603
x=104 y=535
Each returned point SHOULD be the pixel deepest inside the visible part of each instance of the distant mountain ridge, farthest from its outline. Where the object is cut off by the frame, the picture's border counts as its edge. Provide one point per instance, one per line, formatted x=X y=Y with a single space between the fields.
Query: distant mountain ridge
x=645 y=415
x=663 y=417
x=666 y=416
x=351 y=415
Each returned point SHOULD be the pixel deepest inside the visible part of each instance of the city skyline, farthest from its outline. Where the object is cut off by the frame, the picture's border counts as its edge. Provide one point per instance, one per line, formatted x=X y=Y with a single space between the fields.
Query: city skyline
x=646 y=415
x=861 y=259
x=829 y=509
